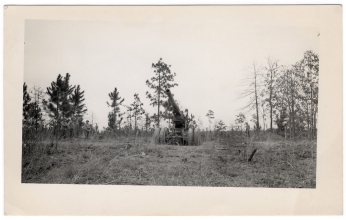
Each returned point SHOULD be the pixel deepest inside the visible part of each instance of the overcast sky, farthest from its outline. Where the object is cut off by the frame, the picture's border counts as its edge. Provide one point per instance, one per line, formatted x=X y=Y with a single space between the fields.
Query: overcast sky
x=209 y=55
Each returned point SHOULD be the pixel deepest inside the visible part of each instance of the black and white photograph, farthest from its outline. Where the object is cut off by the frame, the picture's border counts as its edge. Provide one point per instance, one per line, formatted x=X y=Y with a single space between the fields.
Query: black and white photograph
x=174 y=96
x=209 y=103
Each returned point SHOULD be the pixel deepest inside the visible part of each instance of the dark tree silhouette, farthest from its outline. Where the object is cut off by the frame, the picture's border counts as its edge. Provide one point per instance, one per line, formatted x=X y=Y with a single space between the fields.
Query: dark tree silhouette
x=116 y=102
x=77 y=105
x=220 y=126
x=58 y=104
x=26 y=101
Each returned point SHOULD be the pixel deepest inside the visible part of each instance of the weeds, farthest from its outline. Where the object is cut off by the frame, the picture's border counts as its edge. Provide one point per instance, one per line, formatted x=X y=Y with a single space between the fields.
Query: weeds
x=138 y=161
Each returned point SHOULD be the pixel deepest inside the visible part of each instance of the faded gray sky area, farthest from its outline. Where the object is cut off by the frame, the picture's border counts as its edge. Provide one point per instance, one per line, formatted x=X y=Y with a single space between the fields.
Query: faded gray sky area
x=208 y=52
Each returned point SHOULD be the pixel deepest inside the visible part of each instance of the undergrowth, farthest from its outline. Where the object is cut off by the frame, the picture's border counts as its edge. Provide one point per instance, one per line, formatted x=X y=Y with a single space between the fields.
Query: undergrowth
x=139 y=161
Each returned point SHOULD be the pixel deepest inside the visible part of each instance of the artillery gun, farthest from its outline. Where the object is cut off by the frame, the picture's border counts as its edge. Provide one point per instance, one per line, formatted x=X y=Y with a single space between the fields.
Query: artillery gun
x=179 y=133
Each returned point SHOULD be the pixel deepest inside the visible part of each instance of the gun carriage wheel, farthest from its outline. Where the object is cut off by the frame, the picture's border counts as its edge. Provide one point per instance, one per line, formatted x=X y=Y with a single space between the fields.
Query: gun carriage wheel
x=190 y=137
x=163 y=135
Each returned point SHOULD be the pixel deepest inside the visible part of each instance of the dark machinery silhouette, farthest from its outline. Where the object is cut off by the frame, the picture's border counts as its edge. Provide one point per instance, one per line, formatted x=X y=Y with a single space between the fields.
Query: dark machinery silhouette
x=179 y=133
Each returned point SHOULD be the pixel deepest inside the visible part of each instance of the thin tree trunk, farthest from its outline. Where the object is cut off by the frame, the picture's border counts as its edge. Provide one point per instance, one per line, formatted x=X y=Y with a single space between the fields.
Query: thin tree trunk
x=311 y=110
x=135 y=122
x=271 y=70
x=312 y=114
x=308 y=120
x=271 y=115
x=57 y=121
x=270 y=101
x=292 y=108
x=264 y=124
x=257 y=118
x=158 y=103
x=92 y=121
x=293 y=120
x=315 y=123
x=115 y=117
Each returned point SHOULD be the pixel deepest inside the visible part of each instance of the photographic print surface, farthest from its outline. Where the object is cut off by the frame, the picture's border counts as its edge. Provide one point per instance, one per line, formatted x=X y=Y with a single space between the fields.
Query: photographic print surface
x=199 y=97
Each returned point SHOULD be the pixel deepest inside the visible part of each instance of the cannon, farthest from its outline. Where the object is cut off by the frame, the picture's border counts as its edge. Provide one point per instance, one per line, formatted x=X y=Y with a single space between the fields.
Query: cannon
x=179 y=133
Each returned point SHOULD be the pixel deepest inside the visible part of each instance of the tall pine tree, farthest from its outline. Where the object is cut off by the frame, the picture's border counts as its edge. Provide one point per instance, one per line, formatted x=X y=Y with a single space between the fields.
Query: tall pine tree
x=163 y=80
x=58 y=103
x=111 y=120
x=137 y=109
x=115 y=103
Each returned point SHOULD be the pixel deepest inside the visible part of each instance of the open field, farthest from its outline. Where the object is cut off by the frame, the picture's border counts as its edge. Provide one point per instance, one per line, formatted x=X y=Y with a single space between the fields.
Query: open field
x=279 y=164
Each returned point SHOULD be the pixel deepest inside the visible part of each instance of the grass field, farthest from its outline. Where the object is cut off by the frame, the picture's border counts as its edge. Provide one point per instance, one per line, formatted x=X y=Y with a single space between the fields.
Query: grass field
x=279 y=164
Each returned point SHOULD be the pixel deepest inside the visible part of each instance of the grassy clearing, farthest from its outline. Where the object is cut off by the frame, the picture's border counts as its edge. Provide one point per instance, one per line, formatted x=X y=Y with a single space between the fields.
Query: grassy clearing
x=281 y=164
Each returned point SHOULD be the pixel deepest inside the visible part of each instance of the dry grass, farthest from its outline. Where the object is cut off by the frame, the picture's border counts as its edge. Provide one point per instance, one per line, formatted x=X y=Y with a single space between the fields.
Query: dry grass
x=131 y=161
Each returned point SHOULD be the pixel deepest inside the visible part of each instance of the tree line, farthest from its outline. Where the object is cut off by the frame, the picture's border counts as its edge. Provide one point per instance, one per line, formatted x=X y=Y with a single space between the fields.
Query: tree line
x=61 y=100
x=286 y=96
x=281 y=98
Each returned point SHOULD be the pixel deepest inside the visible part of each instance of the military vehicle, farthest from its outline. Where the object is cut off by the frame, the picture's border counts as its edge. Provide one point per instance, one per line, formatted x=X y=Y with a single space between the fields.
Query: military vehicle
x=179 y=133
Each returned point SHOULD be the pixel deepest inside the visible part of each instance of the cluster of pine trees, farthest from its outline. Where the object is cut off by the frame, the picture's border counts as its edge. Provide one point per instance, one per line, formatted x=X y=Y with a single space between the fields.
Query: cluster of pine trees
x=134 y=114
x=64 y=101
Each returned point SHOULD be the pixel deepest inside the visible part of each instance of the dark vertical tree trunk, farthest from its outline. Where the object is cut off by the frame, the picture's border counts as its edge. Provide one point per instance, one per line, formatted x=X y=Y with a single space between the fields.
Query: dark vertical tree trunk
x=272 y=65
x=308 y=121
x=293 y=121
x=270 y=101
x=292 y=107
x=271 y=115
x=57 y=121
x=115 y=118
x=135 y=122
x=315 y=126
x=36 y=120
x=257 y=118
x=158 y=103
x=264 y=125
x=312 y=116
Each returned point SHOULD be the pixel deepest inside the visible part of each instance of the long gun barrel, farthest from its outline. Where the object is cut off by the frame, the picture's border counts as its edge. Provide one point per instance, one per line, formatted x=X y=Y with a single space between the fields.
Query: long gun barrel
x=176 y=110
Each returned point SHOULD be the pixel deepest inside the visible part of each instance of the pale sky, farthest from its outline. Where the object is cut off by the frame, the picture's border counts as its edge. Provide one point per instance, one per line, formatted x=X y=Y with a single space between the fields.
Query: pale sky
x=209 y=56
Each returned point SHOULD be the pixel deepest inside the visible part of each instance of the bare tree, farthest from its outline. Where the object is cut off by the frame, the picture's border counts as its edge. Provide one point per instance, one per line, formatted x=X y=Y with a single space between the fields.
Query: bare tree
x=251 y=90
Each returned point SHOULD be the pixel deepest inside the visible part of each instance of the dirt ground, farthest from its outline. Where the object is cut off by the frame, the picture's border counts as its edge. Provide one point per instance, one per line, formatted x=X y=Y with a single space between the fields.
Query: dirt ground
x=279 y=164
